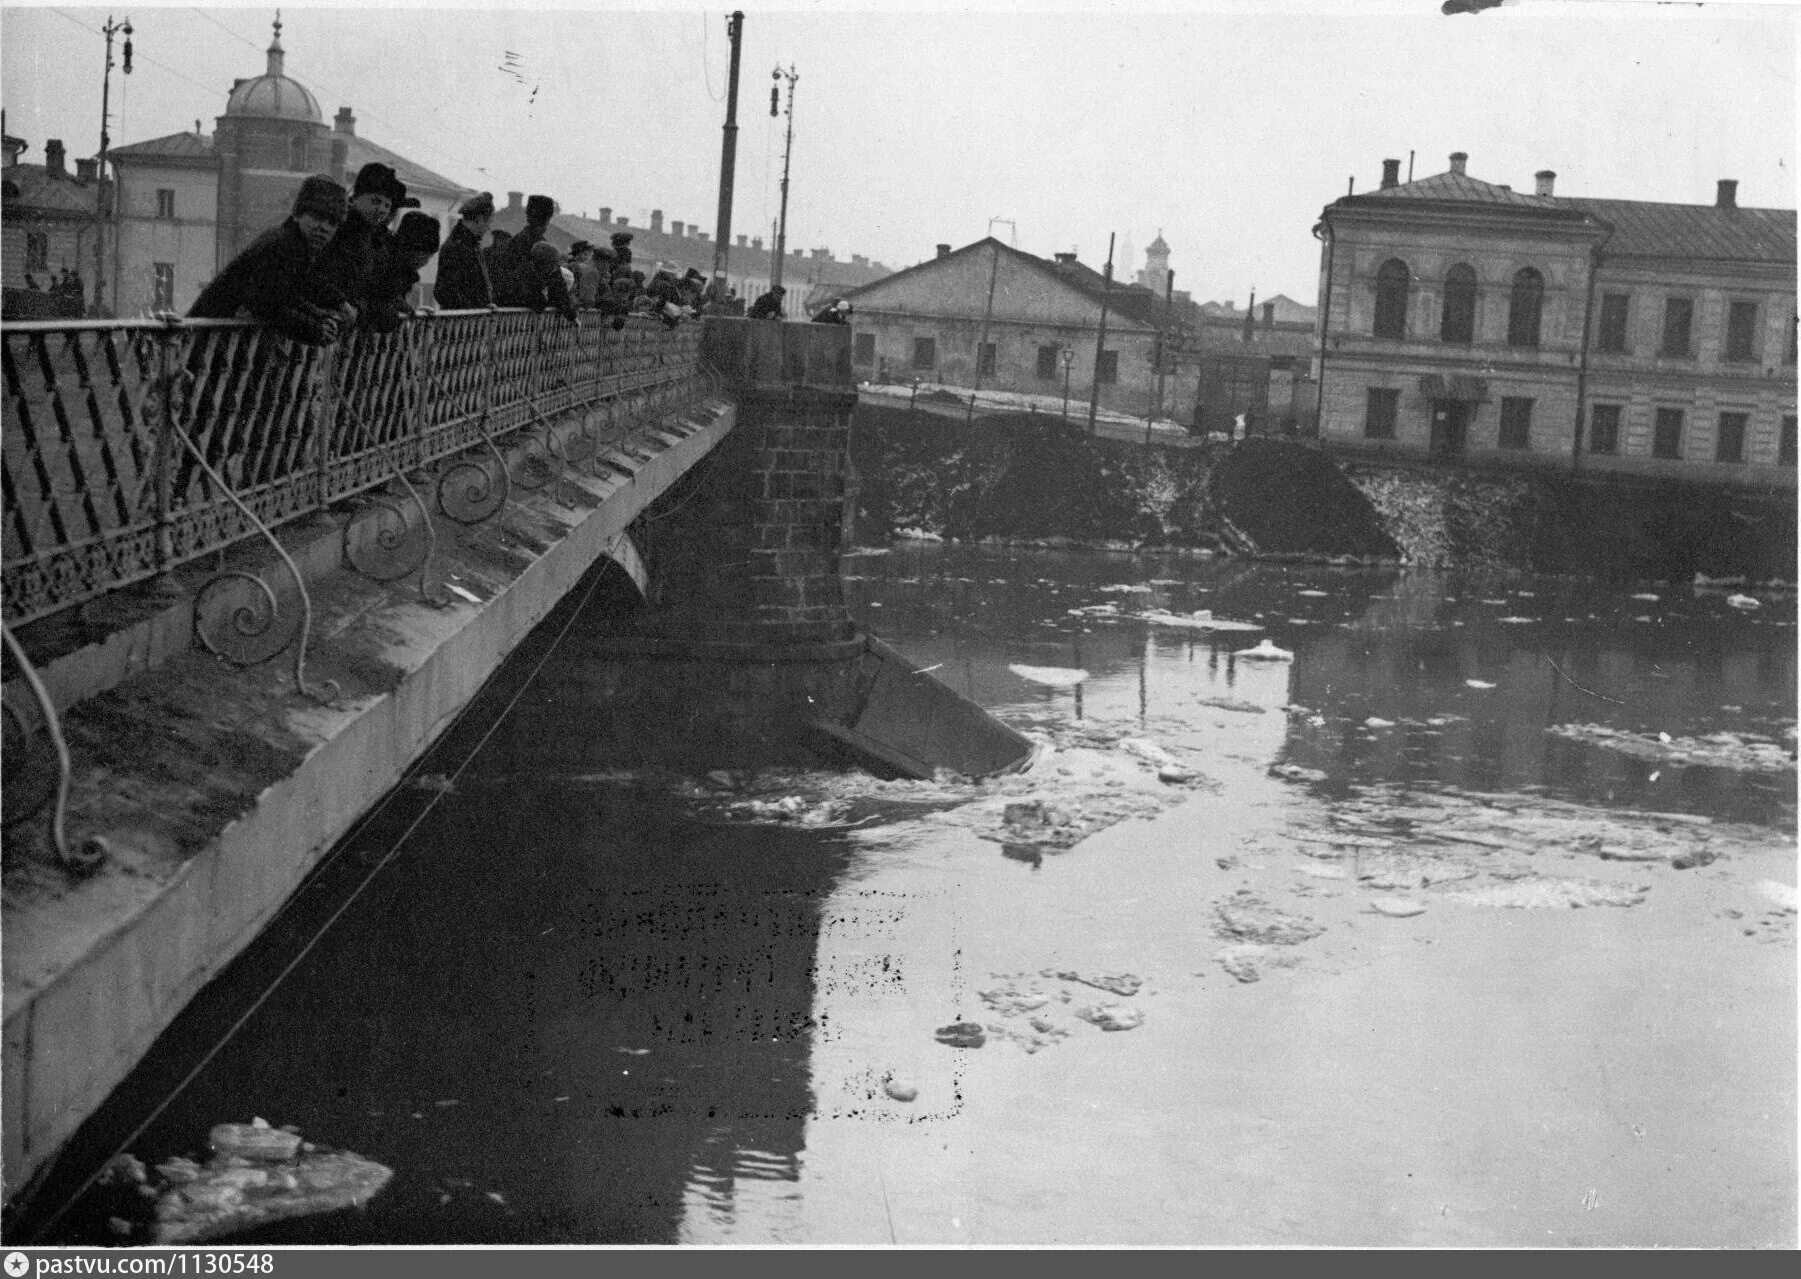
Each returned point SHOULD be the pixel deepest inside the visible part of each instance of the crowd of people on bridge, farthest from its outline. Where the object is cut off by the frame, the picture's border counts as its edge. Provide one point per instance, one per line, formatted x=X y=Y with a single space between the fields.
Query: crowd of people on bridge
x=351 y=260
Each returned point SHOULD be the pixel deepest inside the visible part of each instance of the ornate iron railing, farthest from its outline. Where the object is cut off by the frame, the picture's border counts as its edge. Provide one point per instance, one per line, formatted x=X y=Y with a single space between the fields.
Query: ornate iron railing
x=99 y=490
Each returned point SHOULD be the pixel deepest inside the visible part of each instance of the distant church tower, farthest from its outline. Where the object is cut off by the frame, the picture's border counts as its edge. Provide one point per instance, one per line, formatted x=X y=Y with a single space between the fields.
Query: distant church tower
x=1155 y=275
x=271 y=136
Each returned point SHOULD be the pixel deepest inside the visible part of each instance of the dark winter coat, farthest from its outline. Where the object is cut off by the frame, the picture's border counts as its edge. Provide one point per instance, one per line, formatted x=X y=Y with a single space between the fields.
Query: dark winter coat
x=352 y=259
x=767 y=307
x=275 y=281
x=519 y=282
x=463 y=283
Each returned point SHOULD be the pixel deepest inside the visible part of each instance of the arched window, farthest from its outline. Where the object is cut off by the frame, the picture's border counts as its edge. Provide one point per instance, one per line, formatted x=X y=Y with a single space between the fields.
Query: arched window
x=1459 y=321
x=1524 y=307
x=297 y=153
x=1391 y=299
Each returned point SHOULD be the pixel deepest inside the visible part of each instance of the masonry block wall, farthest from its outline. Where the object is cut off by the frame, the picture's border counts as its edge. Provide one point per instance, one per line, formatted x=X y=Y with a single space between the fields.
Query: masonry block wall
x=746 y=549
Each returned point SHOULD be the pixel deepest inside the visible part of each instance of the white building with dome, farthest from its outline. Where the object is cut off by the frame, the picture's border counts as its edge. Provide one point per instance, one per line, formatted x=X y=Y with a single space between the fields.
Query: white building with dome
x=188 y=203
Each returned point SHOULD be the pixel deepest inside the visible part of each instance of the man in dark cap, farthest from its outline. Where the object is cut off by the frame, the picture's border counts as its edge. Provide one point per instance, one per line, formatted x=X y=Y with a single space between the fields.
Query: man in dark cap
x=768 y=306
x=276 y=281
x=463 y=282
x=622 y=251
x=837 y=313
x=359 y=249
x=523 y=277
x=390 y=297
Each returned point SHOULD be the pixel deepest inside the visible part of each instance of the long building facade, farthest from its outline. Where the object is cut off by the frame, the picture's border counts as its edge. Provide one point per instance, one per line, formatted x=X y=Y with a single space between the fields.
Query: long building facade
x=1464 y=322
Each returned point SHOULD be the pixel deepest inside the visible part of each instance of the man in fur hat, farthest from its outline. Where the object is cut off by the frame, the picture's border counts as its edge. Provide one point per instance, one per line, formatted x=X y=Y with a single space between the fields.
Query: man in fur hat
x=622 y=251
x=359 y=249
x=390 y=297
x=276 y=281
x=463 y=282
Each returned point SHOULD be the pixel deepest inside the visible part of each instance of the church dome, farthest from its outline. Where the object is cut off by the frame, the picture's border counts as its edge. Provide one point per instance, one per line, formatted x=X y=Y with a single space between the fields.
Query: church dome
x=272 y=95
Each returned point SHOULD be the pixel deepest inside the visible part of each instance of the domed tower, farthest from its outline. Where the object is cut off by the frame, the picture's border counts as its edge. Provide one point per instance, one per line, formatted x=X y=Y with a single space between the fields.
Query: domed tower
x=1155 y=275
x=271 y=136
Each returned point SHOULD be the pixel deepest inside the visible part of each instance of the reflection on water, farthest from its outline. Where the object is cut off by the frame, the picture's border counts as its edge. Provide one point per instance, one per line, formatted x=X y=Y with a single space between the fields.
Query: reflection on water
x=574 y=1009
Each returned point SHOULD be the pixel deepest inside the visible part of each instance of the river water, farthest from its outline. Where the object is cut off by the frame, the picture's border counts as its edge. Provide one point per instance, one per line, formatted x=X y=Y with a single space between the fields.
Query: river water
x=592 y=1006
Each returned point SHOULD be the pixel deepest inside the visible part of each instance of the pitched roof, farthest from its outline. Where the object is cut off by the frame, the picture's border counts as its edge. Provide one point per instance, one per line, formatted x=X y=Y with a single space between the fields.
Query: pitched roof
x=1132 y=301
x=1645 y=229
x=1460 y=187
x=173 y=146
x=39 y=192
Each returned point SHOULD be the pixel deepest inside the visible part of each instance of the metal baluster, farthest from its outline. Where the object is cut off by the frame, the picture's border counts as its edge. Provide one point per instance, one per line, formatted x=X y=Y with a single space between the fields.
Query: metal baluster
x=387 y=543
x=306 y=599
x=93 y=850
x=481 y=427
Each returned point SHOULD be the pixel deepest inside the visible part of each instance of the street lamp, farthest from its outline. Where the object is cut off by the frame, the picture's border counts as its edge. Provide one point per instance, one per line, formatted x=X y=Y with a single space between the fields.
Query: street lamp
x=106 y=84
x=781 y=230
x=1066 y=357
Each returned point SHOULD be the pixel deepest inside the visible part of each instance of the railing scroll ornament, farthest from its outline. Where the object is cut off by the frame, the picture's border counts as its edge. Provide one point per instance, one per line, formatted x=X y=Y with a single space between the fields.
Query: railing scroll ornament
x=89 y=853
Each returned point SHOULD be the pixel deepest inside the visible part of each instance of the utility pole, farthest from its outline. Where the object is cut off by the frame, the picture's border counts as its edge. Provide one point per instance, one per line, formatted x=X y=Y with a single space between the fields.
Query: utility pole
x=728 y=160
x=994 y=266
x=1100 y=340
x=781 y=228
x=1169 y=291
x=106 y=85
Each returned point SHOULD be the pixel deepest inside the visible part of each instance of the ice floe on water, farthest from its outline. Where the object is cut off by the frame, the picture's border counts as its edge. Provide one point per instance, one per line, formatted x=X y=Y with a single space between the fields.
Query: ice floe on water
x=1051 y=676
x=1477 y=683
x=1714 y=750
x=1265 y=652
x=1200 y=620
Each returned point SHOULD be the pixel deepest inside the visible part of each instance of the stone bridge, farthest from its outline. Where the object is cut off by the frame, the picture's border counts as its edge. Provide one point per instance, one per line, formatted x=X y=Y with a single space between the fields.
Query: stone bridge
x=248 y=583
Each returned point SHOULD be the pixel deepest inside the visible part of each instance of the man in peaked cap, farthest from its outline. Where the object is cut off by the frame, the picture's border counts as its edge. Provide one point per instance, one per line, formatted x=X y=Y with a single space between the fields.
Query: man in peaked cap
x=463 y=282
x=622 y=251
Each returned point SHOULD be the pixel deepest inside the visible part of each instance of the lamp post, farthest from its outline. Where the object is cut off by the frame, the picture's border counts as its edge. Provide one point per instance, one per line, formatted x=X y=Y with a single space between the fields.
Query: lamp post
x=106 y=84
x=781 y=228
x=1066 y=357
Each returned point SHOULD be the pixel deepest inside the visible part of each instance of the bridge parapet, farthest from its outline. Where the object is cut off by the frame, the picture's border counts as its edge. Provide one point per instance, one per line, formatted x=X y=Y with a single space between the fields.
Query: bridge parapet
x=769 y=355
x=100 y=492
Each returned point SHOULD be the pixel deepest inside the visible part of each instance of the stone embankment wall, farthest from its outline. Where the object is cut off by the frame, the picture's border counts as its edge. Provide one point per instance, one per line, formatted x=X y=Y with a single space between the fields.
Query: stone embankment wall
x=1040 y=479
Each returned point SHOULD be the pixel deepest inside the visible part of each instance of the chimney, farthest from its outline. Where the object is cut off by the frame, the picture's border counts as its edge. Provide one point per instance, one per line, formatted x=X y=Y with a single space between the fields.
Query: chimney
x=656 y=221
x=822 y=255
x=1458 y=160
x=743 y=240
x=625 y=222
x=340 y=158
x=1546 y=179
x=53 y=158
x=515 y=201
x=702 y=236
x=1391 y=174
x=606 y=214
x=944 y=250
x=1728 y=194
x=345 y=123
x=86 y=170
x=675 y=228
x=196 y=128
x=1066 y=259
x=1269 y=315
x=857 y=259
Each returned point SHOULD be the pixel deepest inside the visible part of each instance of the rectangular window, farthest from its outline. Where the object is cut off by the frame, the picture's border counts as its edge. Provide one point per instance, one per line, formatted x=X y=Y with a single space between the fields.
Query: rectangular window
x=1678 y=317
x=1379 y=416
x=1785 y=447
x=1047 y=362
x=925 y=353
x=1730 y=445
x=1516 y=422
x=165 y=202
x=1612 y=338
x=37 y=251
x=162 y=296
x=1741 y=332
x=1106 y=367
x=985 y=358
x=1666 y=439
x=1604 y=428
x=862 y=348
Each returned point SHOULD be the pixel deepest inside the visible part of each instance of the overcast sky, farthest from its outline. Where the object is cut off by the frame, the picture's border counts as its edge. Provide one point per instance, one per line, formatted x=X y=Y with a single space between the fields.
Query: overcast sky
x=1226 y=130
